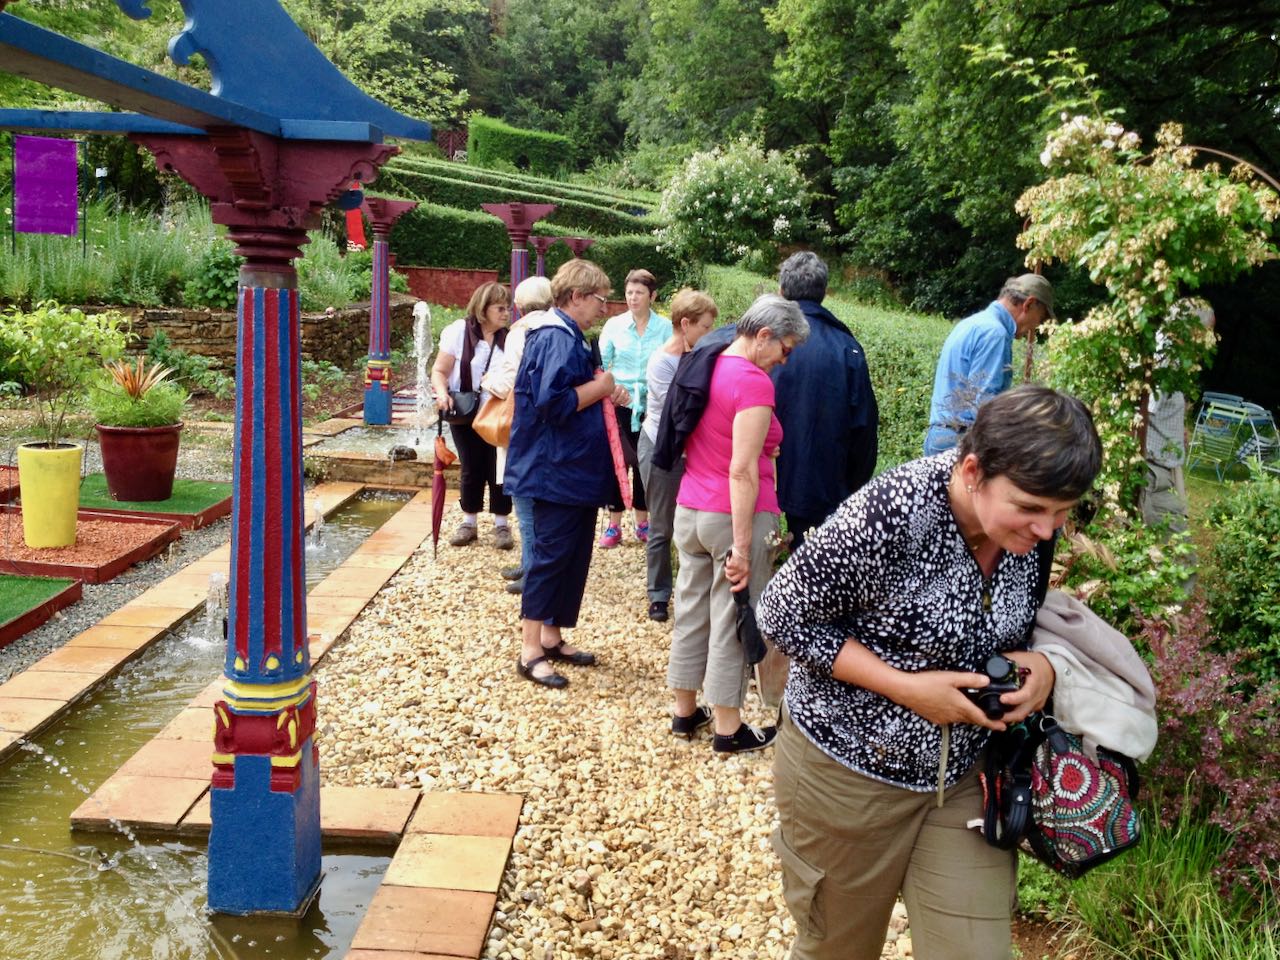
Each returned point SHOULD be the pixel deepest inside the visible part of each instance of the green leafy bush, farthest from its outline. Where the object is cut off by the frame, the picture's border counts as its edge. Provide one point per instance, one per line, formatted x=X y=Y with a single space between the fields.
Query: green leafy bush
x=57 y=351
x=216 y=280
x=321 y=375
x=198 y=372
x=491 y=143
x=730 y=202
x=325 y=277
x=1242 y=576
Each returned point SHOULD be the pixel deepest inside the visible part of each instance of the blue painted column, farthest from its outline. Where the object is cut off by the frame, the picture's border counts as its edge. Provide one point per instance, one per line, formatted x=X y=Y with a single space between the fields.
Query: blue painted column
x=264 y=845
x=383 y=214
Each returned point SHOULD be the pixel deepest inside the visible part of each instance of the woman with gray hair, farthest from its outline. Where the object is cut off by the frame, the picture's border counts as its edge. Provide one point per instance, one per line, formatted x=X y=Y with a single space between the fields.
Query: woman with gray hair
x=726 y=509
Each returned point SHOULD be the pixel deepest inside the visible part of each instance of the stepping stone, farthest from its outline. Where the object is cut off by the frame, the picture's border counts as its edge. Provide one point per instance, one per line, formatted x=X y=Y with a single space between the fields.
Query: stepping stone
x=468 y=814
x=449 y=922
x=446 y=862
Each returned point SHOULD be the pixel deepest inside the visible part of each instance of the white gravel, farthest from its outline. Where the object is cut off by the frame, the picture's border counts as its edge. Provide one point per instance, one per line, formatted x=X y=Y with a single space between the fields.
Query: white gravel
x=632 y=843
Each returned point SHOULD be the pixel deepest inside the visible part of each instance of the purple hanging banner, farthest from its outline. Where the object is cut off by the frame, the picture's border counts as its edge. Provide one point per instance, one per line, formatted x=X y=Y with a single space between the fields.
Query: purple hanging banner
x=46 y=185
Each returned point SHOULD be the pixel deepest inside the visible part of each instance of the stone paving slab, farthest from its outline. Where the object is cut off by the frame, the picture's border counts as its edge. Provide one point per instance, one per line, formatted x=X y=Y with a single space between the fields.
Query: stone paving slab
x=468 y=814
x=99 y=660
x=449 y=862
x=144 y=803
x=449 y=922
x=145 y=615
x=192 y=724
x=331 y=427
x=115 y=636
x=23 y=714
x=183 y=759
x=395 y=955
x=49 y=685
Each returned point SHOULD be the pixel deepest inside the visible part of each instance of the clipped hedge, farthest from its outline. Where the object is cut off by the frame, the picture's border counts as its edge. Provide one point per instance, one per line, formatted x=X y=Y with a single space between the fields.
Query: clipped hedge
x=491 y=143
x=435 y=236
x=636 y=202
x=574 y=215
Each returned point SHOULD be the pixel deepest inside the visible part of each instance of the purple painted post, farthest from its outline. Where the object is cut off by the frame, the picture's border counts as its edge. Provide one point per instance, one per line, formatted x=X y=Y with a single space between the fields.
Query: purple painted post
x=383 y=214
x=264 y=843
x=578 y=244
x=542 y=245
x=519 y=219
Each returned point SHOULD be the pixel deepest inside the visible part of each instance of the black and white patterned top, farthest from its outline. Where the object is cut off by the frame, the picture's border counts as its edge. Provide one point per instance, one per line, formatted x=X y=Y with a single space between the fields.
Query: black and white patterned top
x=891 y=570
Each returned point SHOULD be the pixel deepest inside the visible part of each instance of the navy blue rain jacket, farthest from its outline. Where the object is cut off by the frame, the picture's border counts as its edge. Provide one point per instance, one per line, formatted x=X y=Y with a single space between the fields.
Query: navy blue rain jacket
x=557 y=452
x=830 y=421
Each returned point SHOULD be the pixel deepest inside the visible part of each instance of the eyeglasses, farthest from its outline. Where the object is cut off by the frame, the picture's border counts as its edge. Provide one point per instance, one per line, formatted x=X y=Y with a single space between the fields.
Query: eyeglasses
x=786 y=350
x=604 y=302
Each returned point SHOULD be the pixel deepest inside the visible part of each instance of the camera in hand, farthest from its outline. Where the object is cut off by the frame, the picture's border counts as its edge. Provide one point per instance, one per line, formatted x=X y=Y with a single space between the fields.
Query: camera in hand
x=1005 y=678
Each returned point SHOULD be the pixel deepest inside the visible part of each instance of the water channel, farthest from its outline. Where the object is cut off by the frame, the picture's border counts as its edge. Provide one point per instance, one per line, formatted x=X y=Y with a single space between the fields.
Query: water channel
x=114 y=897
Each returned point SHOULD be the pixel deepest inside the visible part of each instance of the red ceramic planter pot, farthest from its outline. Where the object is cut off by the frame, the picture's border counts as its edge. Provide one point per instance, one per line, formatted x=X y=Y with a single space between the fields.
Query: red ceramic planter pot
x=139 y=461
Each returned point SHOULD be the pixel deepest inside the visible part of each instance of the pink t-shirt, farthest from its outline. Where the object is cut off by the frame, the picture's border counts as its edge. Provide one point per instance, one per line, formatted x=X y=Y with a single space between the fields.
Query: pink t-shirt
x=736 y=384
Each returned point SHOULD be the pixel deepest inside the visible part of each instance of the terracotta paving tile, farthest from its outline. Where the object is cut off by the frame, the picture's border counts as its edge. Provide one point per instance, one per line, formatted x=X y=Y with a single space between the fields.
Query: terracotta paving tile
x=115 y=636
x=373 y=561
x=332 y=427
x=331 y=625
x=100 y=660
x=449 y=922
x=206 y=566
x=320 y=645
x=333 y=606
x=136 y=614
x=351 y=581
x=192 y=724
x=184 y=759
x=48 y=685
x=209 y=695
x=22 y=714
x=469 y=814
x=449 y=862
x=7 y=739
x=150 y=802
x=168 y=593
x=198 y=819
x=221 y=554
x=365 y=812
x=395 y=955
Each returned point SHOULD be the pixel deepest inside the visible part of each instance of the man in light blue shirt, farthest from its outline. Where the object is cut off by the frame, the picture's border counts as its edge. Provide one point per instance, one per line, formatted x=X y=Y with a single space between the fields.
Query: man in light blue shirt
x=977 y=358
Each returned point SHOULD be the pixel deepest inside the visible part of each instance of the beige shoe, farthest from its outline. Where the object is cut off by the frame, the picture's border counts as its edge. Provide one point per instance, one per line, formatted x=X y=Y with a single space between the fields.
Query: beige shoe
x=502 y=538
x=466 y=533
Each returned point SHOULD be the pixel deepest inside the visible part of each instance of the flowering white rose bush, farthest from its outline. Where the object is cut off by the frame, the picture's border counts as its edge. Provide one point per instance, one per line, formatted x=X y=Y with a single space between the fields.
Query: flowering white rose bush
x=734 y=201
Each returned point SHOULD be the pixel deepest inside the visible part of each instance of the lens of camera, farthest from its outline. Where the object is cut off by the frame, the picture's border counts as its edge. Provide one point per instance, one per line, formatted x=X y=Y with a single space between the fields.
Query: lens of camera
x=1000 y=669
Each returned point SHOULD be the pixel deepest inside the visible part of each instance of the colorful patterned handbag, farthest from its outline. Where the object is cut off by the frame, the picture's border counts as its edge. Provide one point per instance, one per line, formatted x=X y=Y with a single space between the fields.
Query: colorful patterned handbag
x=1043 y=792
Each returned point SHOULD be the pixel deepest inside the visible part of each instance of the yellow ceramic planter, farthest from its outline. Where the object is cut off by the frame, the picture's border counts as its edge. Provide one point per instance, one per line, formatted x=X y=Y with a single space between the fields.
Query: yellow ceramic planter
x=49 y=479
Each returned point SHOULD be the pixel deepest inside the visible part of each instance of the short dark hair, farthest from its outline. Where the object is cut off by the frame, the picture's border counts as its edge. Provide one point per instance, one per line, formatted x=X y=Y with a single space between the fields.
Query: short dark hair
x=642 y=277
x=1043 y=441
x=803 y=276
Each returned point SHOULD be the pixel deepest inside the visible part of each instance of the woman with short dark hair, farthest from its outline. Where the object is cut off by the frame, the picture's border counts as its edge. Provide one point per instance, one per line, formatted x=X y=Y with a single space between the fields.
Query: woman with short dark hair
x=468 y=348
x=889 y=612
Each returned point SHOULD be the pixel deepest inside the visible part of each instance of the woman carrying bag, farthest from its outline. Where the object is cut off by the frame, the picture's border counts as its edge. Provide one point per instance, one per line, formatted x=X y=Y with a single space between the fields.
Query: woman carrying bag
x=468 y=347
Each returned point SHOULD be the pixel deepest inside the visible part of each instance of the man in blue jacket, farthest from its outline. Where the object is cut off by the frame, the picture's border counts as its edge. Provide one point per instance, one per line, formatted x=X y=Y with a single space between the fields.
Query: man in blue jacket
x=825 y=403
x=976 y=362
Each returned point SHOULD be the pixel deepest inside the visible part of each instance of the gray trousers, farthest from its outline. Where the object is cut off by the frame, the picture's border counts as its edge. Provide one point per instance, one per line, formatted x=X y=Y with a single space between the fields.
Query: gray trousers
x=705 y=652
x=661 y=487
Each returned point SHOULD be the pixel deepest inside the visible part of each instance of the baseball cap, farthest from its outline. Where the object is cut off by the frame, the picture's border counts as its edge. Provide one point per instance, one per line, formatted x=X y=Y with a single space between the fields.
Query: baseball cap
x=1033 y=285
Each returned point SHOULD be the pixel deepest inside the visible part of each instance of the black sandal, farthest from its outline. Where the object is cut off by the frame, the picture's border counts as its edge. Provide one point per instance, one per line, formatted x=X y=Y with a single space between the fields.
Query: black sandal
x=552 y=680
x=579 y=659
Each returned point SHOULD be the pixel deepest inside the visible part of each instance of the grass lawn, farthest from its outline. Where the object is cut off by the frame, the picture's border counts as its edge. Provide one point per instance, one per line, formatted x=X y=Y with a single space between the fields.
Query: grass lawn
x=20 y=594
x=189 y=496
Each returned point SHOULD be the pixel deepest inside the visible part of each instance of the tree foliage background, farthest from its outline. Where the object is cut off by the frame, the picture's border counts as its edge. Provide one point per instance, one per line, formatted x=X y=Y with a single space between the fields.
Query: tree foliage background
x=918 y=154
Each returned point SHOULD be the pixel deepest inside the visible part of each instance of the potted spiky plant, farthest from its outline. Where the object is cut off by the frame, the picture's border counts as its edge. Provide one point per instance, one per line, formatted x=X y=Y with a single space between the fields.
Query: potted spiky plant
x=139 y=418
x=55 y=351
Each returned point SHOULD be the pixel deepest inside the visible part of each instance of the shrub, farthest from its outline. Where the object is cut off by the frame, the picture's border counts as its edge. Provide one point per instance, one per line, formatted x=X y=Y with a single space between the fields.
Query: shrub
x=1242 y=576
x=491 y=143
x=1126 y=571
x=215 y=281
x=198 y=372
x=727 y=203
x=325 y=277
x=1218 y=758
x=159 y=406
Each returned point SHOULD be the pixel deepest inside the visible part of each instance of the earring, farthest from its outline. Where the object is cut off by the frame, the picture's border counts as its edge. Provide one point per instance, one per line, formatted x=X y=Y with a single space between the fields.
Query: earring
x=969 y=487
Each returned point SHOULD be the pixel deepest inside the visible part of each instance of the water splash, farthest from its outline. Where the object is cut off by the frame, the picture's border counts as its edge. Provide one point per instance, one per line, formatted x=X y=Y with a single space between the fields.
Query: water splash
x=422 y=347
x=315 y=539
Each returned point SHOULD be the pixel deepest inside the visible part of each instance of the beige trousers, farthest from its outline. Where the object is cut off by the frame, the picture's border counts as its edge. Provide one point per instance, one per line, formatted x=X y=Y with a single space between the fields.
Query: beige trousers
x=850 y=844
x=705 y=652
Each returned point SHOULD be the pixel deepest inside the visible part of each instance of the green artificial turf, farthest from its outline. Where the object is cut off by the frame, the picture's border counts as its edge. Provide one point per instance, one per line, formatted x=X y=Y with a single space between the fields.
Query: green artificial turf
x=189 y=496
x=20 y=594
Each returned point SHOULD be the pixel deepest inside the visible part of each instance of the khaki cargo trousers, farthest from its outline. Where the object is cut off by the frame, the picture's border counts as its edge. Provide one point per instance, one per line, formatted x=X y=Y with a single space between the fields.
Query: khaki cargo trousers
x=850 y=844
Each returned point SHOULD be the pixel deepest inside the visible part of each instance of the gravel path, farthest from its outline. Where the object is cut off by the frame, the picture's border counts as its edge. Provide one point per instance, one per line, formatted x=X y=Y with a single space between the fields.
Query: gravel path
x=632 y=843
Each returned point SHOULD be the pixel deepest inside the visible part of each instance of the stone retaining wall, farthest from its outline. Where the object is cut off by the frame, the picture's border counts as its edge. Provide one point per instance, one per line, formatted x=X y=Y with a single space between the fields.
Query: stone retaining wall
x=341 y=338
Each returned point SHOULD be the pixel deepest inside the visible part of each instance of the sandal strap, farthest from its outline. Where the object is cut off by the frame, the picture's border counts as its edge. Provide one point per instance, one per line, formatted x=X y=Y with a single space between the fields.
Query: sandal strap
x=533 y=663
